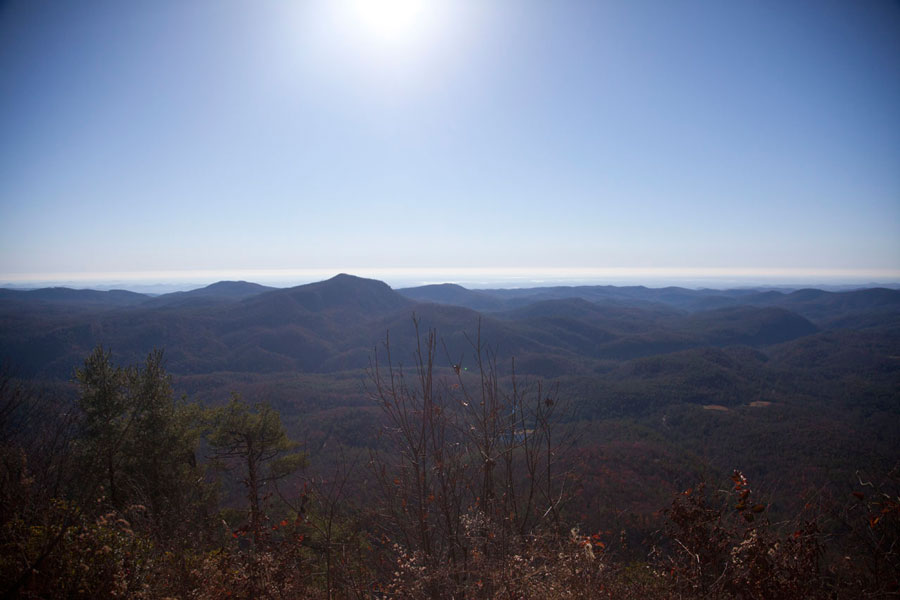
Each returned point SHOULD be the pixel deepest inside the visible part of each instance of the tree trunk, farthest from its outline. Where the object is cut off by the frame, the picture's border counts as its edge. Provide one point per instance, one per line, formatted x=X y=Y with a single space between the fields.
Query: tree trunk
x=253 y=494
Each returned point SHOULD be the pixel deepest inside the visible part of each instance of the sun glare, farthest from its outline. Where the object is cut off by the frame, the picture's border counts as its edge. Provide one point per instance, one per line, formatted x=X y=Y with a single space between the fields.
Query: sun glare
x=389 y=19
x=392 y=22
x=392 y=43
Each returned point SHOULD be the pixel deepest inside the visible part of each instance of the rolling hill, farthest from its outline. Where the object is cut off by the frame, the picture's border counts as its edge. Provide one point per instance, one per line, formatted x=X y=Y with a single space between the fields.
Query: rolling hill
x=335 y=324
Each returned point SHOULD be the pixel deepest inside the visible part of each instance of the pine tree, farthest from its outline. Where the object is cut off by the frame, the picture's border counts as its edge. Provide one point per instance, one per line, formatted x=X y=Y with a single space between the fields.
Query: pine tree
x=254 y=439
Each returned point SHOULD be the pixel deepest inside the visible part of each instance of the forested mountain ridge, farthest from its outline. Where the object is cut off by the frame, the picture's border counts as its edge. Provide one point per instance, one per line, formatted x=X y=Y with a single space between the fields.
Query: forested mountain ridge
x=329 y=325
x=811 y=303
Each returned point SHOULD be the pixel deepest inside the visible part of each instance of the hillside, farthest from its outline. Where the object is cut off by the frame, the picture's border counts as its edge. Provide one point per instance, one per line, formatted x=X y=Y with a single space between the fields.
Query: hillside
x=334 y=324
x=816 y=305
x=222 y=291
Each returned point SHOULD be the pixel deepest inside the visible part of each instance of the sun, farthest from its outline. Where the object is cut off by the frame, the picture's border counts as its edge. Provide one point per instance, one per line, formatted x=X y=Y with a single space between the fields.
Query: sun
x=392 y=22
x=390 y=42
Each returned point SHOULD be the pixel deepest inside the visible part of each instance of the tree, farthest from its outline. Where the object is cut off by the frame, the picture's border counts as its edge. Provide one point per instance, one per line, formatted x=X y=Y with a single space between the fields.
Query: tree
x=35 y=465
x=144 y=440
x=106 y=417
x=472 y=472
x=255 y=439
x=160 y=452
x=130 y=442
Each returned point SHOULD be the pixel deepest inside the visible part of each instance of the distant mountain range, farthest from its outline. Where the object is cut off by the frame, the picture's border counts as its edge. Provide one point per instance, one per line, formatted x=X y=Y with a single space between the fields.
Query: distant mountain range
x=223 y=290
x=819 y=303
x=238 y=326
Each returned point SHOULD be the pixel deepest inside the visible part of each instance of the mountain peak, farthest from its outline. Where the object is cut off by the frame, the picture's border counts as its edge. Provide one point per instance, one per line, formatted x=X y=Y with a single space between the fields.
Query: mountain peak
x=347 y=291
x=231 y=289
x=348 y=277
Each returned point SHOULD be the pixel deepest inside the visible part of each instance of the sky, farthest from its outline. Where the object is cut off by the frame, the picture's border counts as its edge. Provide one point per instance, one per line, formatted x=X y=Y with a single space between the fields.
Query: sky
x=513 y=140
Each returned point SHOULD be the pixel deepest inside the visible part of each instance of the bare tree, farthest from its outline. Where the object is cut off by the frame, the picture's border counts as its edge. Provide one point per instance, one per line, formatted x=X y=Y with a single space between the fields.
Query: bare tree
x=472 y=468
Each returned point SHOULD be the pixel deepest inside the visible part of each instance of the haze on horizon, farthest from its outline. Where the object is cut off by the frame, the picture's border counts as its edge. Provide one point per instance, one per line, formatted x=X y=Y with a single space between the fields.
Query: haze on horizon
x=756 y=140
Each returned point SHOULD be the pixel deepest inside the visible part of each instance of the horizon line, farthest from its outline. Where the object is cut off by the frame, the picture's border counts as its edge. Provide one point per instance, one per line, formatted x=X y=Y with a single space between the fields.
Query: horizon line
x=478 y=275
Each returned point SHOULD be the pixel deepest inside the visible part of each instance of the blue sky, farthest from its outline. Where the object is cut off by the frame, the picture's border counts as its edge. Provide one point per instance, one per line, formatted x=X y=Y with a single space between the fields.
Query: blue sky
x=146 y=138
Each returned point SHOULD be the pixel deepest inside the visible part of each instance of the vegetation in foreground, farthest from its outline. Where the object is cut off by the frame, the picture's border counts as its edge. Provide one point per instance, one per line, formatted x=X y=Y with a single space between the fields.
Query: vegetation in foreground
x=472 y=492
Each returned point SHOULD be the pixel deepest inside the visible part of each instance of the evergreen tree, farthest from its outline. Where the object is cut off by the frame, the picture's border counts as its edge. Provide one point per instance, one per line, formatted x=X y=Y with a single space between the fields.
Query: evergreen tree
x=161 y=452
x=106 y=418
x=145 y=442
x=254 y=439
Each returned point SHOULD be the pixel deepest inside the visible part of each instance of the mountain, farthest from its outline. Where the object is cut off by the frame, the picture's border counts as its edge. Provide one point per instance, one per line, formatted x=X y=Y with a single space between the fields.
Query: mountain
x=335 y=324
x=311 y=327
x=328 y=307
x=457 y=295
x=222 y=291
x=845 y=309
x=342 y=293
x=91 y=299
x=748 y=325
x=825 y=307
x=231 y=289
x=617 y=315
